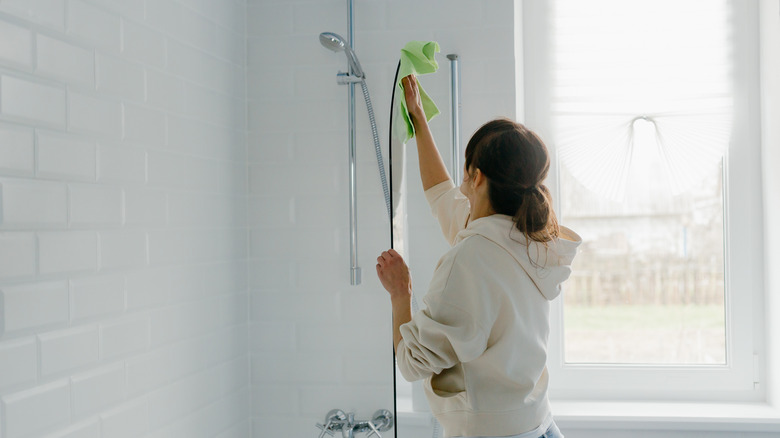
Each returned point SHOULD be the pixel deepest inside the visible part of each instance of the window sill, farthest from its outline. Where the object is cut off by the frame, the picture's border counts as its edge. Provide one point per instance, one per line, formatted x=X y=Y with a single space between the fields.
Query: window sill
x=743 y=417
x=736 y=417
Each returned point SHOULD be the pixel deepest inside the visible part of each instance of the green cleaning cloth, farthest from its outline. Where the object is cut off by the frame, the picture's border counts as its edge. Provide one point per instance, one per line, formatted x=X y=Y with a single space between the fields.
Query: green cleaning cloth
x=416 y=58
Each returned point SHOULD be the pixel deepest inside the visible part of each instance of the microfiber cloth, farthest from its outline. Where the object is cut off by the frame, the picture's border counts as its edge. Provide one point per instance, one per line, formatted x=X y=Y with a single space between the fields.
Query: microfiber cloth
x=416 y=58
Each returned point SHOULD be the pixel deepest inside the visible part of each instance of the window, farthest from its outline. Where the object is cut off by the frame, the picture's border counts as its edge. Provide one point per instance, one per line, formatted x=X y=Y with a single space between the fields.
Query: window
x=644 y=106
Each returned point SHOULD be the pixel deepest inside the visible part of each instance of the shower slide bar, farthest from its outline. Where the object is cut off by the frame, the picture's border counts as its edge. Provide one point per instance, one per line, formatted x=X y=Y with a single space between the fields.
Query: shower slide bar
x=455 y=101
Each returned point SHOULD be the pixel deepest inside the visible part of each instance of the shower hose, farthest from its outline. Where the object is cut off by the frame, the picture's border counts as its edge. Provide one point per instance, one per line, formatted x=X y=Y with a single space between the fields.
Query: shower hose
x=379 y=160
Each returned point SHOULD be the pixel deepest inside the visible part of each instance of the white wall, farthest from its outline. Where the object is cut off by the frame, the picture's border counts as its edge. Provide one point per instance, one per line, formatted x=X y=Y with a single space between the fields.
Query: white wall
x=123 y=219
x=317 y=342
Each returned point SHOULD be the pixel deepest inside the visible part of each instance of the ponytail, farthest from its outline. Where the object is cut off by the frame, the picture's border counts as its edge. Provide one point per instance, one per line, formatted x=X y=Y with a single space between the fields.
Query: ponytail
x=515 y=162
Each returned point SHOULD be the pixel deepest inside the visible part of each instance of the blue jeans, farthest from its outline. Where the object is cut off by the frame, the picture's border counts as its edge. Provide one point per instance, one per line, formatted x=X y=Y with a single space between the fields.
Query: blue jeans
x=553 y=432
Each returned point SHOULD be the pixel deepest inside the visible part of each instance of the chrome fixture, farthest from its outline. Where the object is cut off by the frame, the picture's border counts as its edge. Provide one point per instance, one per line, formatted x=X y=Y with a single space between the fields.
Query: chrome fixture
x=353 y=76
x=336 y=43
x=455 y=102
x=336 y=420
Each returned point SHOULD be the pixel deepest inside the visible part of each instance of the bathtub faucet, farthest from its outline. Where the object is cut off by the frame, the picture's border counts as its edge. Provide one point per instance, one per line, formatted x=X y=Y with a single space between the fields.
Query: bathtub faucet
x=336 y=419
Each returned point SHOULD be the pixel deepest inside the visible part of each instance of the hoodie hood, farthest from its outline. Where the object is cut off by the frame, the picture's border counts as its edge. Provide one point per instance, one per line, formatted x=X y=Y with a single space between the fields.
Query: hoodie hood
x=547 y=264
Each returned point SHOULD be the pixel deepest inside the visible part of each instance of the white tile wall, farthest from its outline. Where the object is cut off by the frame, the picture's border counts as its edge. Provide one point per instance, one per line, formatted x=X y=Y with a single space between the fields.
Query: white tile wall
x=36 y=410
x=109 y=304
x=307 y=320
x=32 y=101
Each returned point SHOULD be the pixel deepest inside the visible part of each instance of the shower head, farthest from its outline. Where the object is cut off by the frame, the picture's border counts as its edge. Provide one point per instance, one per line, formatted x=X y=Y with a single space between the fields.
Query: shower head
x=336 y=43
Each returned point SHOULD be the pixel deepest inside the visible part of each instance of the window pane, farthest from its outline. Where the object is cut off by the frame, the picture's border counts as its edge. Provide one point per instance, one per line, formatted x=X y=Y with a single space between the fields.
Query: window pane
x=648 y=285
x=642 y=107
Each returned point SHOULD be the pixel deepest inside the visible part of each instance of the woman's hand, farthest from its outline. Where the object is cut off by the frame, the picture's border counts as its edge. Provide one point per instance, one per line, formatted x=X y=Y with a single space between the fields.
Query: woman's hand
x=412 y=95
x=394 y=274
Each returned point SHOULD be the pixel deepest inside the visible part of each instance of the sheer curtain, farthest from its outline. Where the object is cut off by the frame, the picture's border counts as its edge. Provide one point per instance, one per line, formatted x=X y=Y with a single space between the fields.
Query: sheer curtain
x=640 y=90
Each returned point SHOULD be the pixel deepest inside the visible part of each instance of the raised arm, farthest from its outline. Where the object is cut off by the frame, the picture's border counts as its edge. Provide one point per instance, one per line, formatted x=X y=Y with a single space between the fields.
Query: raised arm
x=432 y=168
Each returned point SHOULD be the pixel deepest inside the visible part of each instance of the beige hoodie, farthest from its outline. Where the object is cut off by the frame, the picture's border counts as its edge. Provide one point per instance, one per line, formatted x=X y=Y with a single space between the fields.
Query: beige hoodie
x=481 y=342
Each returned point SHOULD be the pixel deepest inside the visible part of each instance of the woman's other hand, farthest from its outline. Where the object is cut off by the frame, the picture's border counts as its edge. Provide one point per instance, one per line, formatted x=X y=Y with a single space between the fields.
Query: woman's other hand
x=412 y=95
x=394 y=274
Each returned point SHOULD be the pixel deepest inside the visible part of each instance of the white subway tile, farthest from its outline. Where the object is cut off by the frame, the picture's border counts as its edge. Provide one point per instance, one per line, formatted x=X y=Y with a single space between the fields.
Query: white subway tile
x=225 y=278
x=98 y=389
x=164 y=91
x=274 y=399
x=16 y=150
x=65 y=156
x=233 y=310
x=120 y=78
x=67 y=251
x=127 y=421
x=141 y=43
x=125 y=336
x=164 y=365
x=188 y=62
x=180 y=322
x=296 y=368
x=271 y=82
x=269 y=19
x=68 y=349
x=122 y=249
x=231 y=44
x=19 y=362
x=95 y=205
x=148 y=288
x=117 y=162
x=234 y=375
x=314 y=398
x=35 y=410
x=179 y=171
x=84 y=429
x=272 y=305
x=271 y=274
x=96 y=26
x=316 y=336
x=182 y=397
x=189 y=26
x=244 y=429
x=271 y=337
x=146 y=207
x=17 y=255
x=186 y=283
x=271 y=211
x=50 y=13
x=134 y=9
x=97 y=296
x=32 y=101
x=64 y=61
x=144 y=125
x=16 y=49
x=88 y=113
x=32 y=305
x=33 y=203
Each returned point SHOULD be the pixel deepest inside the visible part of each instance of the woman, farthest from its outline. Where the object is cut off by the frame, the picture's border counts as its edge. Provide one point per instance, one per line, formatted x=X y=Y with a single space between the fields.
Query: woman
x=481 y=342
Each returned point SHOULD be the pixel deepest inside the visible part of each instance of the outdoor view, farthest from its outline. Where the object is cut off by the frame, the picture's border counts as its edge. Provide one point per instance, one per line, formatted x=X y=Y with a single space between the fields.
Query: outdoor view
x=647 y=286
x=641 y=110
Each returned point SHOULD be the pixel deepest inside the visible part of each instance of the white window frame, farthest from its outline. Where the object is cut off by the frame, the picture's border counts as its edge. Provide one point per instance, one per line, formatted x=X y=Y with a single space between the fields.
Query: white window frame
x=739 y=378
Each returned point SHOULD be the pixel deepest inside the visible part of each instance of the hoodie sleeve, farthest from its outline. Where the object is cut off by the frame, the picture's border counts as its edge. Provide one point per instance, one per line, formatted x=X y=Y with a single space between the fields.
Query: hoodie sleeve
x=449 y=207
x=445 y=333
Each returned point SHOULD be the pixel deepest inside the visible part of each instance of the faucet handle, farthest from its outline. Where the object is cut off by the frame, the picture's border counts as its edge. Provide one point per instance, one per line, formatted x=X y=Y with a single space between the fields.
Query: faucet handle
x=374 y=430
x=325 y=429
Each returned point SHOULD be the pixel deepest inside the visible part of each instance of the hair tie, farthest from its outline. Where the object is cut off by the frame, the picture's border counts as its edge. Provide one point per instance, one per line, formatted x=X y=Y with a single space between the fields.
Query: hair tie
x=529 y=189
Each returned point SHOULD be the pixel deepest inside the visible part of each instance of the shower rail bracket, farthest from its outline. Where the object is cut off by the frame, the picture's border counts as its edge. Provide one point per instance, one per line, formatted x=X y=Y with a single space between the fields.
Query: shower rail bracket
x=346 y=78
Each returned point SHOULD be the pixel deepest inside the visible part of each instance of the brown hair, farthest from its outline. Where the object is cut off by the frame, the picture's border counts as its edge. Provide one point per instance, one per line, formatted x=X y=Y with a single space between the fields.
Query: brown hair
x=515 y=161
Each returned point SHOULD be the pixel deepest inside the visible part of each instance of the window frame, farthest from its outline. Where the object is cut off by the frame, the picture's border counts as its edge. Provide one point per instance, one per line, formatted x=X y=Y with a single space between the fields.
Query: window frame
x=743 y=241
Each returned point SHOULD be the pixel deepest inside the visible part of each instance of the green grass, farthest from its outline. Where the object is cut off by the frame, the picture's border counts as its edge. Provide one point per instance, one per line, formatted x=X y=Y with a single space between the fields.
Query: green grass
x=611 y=318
